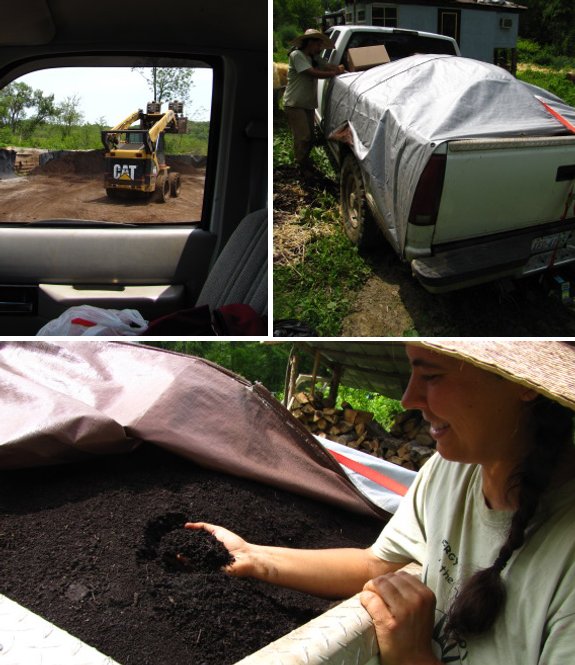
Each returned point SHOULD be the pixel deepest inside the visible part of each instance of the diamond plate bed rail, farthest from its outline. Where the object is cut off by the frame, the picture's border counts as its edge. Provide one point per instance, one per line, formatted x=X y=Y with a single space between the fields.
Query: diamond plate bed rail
x=26 y=638
x=344 y=635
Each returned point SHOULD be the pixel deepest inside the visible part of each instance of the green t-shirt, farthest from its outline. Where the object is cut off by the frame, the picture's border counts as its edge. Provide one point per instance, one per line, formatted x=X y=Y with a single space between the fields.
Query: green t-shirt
x=444 y=524
x=301 y=88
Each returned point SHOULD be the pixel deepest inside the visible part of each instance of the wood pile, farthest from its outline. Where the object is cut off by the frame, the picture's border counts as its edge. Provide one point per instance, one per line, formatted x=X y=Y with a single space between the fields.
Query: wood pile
x=407 y=443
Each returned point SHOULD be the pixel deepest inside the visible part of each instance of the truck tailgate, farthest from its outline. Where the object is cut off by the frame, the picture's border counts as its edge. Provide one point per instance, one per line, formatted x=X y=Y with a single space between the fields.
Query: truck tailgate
x=504 y=184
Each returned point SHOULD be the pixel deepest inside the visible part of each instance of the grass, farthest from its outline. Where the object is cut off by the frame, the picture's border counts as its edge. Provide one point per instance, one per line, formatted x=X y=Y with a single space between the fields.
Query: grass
x=317 y=289
x=540 y=66
x=383 y=408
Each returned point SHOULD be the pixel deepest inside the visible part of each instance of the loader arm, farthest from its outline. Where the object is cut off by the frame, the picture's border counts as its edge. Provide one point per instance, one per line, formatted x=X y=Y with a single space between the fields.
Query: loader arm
x=127 y=122
x=168 y=118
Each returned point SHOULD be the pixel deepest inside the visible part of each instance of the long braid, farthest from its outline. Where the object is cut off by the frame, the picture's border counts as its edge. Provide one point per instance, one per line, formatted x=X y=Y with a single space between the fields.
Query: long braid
x=483 y=596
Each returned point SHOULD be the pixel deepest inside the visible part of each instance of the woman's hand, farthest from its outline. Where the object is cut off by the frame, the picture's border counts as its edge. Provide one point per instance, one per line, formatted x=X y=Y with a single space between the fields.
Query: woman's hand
x=238 y=548
x=403 y=613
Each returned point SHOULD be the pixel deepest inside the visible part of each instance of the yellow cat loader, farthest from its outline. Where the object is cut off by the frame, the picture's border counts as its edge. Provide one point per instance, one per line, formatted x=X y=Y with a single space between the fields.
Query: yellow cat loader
x=135 y=160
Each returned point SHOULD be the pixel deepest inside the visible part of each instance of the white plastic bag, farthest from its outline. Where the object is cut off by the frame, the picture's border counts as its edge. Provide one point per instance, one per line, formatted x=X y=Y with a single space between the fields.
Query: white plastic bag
x=87 y=320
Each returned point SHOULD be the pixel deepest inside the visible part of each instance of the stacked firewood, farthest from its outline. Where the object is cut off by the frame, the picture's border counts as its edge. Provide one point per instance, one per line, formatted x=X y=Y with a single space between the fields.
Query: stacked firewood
x=407 y=443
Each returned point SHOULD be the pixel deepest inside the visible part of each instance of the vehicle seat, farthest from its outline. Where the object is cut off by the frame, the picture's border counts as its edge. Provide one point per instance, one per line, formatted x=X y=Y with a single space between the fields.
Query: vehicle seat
x=240 y=273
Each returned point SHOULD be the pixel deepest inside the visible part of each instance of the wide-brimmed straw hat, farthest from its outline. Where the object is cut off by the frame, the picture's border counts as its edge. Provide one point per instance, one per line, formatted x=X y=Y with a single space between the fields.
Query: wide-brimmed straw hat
x=312 y=33
x=548 y=367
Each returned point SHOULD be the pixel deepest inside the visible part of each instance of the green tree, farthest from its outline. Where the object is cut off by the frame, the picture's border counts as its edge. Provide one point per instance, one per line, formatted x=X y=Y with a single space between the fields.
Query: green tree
x=69 y=114
x=23 y=110
x=292 y=17
x=16 y=98
x=302 y=13
x=551 y=23
x=168 y=83
x=45 y=109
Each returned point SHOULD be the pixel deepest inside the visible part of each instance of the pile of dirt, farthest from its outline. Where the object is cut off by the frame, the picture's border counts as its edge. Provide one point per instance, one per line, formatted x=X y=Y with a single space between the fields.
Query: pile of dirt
x=91 y=162
x=60 y=162
x=188 y=164
x=7 y=160
x=94 y=548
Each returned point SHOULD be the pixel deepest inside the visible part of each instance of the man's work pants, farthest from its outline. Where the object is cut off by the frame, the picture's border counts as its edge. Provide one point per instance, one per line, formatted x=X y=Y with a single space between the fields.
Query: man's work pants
x=301 y=123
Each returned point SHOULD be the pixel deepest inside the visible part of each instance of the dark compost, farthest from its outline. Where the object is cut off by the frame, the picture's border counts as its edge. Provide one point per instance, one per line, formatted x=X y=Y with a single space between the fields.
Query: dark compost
x=92 y=547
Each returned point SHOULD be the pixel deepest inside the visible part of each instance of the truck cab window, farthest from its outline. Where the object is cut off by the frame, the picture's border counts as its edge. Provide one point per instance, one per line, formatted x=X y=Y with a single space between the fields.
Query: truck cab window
x=107 y=144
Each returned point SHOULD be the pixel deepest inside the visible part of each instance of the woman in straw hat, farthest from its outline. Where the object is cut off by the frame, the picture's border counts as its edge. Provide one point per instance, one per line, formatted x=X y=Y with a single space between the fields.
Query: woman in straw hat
x=490 y=517
x=300 y=97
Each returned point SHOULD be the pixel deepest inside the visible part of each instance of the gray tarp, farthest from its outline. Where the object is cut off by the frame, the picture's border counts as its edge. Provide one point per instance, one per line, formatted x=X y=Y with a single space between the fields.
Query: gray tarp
x=399 y=112
x=71 y=400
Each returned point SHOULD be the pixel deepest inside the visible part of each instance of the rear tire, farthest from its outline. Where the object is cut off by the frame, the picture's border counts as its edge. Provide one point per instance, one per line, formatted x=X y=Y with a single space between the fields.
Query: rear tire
x=112 y=193
x=162 y=189
x=358 y=222
x=175 y=184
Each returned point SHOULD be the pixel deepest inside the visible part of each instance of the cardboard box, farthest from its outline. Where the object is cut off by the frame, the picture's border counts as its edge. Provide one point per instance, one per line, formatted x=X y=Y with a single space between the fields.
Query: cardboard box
x=365 y=57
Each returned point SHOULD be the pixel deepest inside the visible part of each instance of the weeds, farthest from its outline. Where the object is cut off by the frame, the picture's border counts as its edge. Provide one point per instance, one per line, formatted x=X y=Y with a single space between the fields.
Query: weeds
x=318 y=289
x=542 y=56
x=554 y=82
x=283 y=147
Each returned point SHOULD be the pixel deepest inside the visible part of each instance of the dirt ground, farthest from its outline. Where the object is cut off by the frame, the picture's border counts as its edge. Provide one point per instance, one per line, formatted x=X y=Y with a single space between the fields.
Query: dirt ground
x=91 y=547
x=66 y=189
x=392 y=302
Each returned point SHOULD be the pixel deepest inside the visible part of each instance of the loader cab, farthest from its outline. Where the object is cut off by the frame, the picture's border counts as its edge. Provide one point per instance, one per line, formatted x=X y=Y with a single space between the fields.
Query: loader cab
x=134 y=140
x=125 y=254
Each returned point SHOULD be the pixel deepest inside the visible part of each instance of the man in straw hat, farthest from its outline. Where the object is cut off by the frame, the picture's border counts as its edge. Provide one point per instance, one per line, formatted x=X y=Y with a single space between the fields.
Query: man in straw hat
x=300 y=97
x=490 y=517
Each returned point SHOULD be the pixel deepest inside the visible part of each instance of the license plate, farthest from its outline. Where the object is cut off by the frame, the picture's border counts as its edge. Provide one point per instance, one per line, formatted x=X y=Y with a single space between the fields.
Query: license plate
x=546 y=243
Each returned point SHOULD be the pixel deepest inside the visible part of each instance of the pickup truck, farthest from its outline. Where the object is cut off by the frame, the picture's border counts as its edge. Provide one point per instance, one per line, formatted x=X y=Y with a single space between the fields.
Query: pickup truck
x=467 y=172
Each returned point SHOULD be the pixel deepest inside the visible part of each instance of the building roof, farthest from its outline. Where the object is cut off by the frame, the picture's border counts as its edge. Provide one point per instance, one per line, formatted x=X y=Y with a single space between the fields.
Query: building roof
x=380 y=367
x=497 y=5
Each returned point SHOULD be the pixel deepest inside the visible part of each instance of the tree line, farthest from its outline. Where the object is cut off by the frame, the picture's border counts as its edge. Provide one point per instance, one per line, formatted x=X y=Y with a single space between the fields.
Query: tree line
x=550 y=23
x=23 y=110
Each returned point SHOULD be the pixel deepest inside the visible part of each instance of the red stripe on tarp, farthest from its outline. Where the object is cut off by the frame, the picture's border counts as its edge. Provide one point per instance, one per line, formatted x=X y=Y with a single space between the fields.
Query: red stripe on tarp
x=557 y=116
x=371 y=474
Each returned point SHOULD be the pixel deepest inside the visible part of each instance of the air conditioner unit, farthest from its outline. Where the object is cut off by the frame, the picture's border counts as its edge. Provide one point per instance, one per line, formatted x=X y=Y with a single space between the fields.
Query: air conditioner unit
x=506 y=23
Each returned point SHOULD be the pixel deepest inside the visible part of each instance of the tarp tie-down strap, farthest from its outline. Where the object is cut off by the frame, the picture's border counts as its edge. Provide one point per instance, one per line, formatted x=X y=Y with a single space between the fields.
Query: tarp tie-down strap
x=557 y=115
x=371 y=474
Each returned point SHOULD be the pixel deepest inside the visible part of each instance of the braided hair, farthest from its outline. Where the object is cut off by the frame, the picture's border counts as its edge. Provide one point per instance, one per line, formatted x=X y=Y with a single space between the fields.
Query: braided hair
x=483 y=596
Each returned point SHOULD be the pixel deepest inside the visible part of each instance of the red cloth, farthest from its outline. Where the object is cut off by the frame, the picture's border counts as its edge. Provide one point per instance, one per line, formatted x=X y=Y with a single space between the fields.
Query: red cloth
x=227 y=320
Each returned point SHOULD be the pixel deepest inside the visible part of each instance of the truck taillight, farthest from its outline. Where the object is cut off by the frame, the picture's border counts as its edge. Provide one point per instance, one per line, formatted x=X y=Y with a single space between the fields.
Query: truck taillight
x=425 y=205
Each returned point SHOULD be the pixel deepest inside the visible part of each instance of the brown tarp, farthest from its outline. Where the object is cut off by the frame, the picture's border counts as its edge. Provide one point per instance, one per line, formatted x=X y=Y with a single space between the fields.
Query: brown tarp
x=70 y=400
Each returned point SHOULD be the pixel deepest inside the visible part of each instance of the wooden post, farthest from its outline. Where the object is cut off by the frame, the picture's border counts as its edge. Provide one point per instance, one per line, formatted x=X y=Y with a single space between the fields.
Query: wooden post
x=291 y=374
x=314 y=372
x=334 y=384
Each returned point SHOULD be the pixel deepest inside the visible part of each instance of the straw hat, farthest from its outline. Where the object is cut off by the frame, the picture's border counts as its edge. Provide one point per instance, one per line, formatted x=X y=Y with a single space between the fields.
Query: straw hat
x=312 y=33
x=548 y=367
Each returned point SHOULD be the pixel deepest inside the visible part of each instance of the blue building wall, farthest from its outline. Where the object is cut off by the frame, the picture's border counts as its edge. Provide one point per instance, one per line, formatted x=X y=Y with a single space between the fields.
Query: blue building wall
x=480 y=32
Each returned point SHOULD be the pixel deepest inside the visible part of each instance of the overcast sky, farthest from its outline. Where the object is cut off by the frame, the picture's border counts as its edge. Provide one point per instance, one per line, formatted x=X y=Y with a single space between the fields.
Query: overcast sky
x=113 y=93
